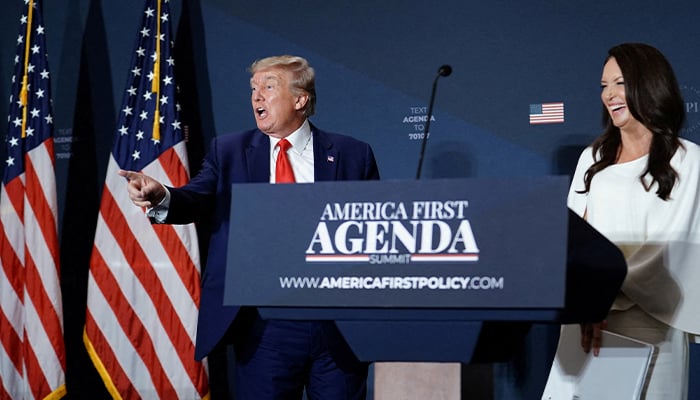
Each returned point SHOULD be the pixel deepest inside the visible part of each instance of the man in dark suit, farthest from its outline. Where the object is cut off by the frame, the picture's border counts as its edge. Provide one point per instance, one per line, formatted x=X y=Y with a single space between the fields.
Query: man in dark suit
x=275 y=359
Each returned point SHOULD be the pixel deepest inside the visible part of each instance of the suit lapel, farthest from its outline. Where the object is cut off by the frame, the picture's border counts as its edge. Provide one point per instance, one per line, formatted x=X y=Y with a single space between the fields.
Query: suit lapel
x=325 y=157
x=258 y=158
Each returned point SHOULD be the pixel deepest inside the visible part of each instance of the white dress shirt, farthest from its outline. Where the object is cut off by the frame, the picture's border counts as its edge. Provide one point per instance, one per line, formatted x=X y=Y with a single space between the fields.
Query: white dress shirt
x=301 y=154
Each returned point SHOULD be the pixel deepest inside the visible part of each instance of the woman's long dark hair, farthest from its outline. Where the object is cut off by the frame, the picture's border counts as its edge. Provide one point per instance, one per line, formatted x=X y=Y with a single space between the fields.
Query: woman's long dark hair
x=654 y=99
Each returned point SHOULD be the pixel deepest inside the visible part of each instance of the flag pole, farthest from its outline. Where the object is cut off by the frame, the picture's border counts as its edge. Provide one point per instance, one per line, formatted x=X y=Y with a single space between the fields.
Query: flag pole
x=155 y=85
x=23 y=93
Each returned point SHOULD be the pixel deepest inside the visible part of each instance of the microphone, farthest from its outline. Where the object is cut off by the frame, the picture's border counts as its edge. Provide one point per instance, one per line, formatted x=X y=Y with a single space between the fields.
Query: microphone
x=444 y=70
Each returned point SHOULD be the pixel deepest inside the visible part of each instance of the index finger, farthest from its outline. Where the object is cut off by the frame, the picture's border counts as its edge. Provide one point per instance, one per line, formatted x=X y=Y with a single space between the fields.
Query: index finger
x=126 y=174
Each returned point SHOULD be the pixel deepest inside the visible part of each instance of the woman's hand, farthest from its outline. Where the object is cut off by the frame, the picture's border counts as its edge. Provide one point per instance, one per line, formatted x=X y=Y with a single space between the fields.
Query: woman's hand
x=591 y=336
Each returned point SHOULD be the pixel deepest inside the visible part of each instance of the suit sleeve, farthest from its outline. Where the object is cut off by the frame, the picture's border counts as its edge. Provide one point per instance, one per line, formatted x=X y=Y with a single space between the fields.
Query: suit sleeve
x=195 y=201
x=371 y=169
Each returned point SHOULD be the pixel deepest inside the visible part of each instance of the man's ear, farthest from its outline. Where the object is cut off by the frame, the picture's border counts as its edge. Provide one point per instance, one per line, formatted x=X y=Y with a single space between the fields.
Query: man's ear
x=301 y=102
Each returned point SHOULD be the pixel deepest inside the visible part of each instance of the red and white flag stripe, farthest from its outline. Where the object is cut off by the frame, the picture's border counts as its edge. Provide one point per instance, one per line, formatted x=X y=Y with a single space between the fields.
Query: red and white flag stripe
x=32 y=355
x=143 y=294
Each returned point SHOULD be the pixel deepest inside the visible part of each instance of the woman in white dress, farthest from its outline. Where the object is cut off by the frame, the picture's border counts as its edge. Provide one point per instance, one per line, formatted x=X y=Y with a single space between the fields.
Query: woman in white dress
x=638 y=184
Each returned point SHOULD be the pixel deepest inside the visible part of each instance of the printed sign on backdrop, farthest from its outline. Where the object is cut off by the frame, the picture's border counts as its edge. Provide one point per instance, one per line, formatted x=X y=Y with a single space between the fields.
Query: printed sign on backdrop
x=691 y=96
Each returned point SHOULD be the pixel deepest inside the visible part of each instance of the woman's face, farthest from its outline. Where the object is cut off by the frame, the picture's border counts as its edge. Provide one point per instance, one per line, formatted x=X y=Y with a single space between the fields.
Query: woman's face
x=612 y=85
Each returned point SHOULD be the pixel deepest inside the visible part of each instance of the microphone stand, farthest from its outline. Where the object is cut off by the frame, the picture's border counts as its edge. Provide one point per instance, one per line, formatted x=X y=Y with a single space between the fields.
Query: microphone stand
x=444 y=70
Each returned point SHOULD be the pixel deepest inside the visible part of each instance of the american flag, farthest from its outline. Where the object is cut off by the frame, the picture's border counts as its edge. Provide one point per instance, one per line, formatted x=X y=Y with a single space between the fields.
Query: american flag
x=143 y=286
x=32 y=354
x=546 y=113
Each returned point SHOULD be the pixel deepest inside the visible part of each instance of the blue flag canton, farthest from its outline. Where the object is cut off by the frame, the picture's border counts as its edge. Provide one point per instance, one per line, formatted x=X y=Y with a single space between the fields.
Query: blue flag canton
x=536 y=108
x=135 y=146
x=34 y=118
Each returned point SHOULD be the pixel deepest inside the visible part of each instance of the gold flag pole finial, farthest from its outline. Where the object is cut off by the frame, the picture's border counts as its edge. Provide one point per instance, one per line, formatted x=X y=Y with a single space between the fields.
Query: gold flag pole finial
x=155 y=84
x=23 y=93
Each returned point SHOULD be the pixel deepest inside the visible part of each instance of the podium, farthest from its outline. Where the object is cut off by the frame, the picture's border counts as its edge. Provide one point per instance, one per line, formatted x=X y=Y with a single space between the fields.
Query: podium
x=444 y=270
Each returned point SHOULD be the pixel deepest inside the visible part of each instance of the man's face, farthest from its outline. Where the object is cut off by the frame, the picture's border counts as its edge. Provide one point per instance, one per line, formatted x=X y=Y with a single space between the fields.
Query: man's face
x=277 y=111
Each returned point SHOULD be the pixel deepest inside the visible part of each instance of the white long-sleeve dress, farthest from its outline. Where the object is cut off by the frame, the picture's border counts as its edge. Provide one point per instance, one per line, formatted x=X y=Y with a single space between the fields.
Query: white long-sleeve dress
x=659 y=302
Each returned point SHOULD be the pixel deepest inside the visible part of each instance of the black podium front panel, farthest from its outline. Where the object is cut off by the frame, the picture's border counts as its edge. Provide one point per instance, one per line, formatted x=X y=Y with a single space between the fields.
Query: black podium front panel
x=444 y=243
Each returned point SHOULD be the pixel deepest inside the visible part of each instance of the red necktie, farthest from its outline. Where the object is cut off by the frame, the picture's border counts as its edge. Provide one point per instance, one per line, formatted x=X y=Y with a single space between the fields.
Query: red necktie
x=283 y=169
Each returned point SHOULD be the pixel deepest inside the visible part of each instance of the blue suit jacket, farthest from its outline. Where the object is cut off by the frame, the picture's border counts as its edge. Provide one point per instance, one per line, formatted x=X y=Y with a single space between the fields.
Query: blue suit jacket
x=240 y=158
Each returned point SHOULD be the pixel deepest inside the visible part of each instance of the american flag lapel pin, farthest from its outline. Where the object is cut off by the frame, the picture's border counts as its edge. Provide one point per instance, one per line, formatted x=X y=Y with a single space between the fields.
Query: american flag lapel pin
x=330 y=159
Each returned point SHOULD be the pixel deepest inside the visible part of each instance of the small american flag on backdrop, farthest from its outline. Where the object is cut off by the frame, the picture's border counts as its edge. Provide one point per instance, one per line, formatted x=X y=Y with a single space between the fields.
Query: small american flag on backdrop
x=546 y=113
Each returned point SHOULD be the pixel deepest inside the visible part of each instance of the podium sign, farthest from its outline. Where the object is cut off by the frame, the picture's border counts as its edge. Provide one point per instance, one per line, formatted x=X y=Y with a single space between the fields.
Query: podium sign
x=443 y=243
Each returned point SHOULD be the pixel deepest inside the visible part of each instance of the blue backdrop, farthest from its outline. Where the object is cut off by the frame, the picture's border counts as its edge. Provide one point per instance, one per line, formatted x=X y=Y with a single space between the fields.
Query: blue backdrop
x=375 y=63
